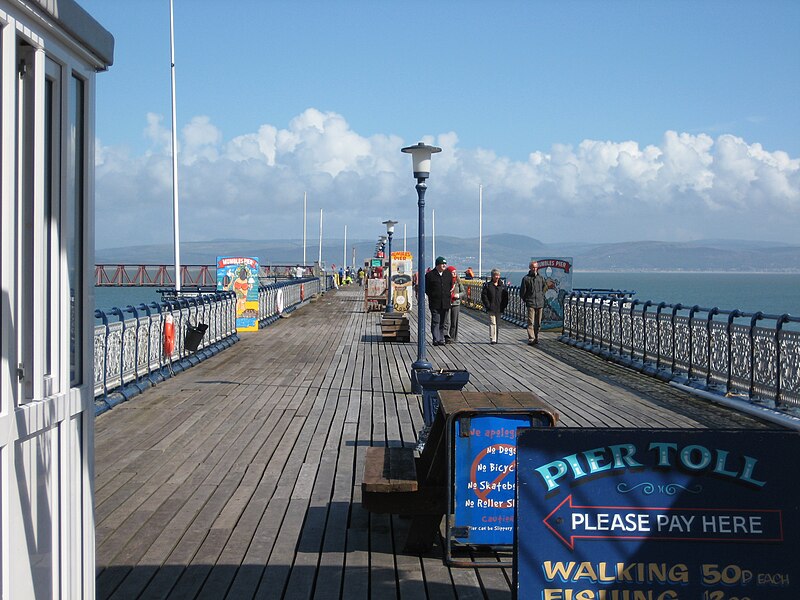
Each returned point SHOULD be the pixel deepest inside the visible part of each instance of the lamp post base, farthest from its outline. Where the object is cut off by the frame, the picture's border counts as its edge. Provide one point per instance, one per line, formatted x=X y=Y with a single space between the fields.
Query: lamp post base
x=416 y=367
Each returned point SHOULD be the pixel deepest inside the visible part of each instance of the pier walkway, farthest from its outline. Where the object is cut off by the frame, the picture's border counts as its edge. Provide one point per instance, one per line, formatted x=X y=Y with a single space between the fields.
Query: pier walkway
x=240 y=478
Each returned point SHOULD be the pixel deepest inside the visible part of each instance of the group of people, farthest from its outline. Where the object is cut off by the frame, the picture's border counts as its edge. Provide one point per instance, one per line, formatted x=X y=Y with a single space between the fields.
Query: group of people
x=444 y=291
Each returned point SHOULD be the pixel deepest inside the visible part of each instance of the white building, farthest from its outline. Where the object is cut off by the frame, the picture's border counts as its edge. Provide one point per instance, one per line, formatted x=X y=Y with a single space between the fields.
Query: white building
x=51 y=51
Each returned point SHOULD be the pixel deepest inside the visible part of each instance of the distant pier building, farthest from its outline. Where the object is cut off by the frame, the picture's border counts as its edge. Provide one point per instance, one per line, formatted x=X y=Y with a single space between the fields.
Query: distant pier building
x=51 y=52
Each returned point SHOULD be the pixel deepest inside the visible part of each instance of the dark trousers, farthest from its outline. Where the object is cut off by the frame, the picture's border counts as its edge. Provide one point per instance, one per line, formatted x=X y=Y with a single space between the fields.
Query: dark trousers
x=438 y=324
x=452 y=330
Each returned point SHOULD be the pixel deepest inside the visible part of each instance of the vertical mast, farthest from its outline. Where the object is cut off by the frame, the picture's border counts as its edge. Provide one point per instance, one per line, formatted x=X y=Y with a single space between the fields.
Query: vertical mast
x=344 y=250
x=319 y=260
x=480 y=231
x=175 y=218
x=305 y=199
x=433 y=233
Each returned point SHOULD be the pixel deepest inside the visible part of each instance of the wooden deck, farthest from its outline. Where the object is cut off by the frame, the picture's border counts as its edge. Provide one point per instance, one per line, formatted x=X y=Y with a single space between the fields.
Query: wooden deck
x=240 y=478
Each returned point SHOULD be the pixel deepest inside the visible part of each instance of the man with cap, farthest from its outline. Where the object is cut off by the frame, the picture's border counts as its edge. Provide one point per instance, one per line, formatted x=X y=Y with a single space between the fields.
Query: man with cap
x=438 y=283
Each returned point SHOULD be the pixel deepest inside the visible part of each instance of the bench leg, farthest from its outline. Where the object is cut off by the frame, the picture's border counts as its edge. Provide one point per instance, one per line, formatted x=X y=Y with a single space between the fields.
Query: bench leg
x=422 y=533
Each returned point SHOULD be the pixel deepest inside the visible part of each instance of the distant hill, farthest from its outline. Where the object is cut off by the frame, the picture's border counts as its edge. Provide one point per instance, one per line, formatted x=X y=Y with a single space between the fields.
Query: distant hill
x=510 y=252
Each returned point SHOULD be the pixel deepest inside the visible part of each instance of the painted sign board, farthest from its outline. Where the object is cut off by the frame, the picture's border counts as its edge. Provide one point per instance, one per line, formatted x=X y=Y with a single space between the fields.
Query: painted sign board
x=239 y=274
x=557 y=273
x=658 y=514
x=485 y=455
x=401 y=280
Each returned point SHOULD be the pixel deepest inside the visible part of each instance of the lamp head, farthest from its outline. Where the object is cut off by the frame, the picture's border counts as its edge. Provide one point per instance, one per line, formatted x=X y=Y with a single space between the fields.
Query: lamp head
x=390 y=226
x=421 y=158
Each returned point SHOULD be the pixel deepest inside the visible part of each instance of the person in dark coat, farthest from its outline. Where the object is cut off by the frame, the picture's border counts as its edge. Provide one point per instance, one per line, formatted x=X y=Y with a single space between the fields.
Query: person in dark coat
x=494 y=297
x=438 y=283
x=532 y=292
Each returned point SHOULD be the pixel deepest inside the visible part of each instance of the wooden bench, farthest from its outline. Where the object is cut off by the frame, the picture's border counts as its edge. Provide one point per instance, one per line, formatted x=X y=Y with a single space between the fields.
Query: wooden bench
x=391 y=486
x=395 y=327
x=396 y=482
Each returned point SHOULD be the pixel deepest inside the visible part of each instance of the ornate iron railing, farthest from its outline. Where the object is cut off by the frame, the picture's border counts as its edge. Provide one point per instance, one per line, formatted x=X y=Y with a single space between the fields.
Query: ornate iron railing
x=192 y=276
x=128 y=344
x=724 y=351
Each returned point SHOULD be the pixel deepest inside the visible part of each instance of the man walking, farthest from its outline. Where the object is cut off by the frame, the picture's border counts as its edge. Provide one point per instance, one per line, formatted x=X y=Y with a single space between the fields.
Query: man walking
x=532 y=293
x=438 y=283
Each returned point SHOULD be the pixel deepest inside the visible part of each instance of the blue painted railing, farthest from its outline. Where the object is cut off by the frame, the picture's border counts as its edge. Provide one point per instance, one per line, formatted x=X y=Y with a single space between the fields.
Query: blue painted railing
x=129 y=352
x=128 y=343
x=729 y=352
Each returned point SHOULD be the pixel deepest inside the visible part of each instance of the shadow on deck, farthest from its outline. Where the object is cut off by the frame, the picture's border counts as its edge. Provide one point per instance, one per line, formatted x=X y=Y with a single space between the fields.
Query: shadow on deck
x=241 y=477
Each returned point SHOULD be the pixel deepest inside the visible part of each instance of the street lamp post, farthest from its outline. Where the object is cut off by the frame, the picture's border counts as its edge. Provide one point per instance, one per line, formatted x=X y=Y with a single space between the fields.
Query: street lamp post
x=421 y=159
x=389 y=232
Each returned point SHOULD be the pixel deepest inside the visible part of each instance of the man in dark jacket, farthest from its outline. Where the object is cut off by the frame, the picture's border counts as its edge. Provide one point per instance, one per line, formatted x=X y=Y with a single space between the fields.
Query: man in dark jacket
x=438 y=283
x=532 y=293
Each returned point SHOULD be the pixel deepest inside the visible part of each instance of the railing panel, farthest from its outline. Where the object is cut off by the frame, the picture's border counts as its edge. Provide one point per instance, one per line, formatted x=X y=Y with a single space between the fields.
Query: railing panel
x=129 y=349
x=695 y=345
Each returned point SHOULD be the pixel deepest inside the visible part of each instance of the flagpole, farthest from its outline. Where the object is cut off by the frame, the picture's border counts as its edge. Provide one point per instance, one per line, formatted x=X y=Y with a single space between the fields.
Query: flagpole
x=175 y=216
x=433 y=233
x=305 y=199
x=480 y=231
x=319 y=260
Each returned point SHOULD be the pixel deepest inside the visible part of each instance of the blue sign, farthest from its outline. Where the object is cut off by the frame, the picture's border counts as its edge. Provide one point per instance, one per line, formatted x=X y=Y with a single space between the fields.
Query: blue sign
x=658 y=514
x=485 y=461
x=557 y=273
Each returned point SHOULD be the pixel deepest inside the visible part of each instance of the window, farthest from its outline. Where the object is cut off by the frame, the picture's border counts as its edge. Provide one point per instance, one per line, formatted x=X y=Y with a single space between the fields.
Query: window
x=50 y=246
x=74 y=227
x=25 y=276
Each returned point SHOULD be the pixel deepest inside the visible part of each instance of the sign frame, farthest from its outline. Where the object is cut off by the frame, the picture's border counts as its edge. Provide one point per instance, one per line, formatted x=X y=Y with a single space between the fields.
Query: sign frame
x=696 y=513
x=536 y=418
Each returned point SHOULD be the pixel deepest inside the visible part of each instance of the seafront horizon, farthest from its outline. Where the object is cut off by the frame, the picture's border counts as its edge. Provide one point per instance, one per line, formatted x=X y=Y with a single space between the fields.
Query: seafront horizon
x=770 y=293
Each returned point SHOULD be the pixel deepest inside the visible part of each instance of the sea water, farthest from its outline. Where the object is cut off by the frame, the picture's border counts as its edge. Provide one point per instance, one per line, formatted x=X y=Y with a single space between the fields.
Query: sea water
x=770 y=293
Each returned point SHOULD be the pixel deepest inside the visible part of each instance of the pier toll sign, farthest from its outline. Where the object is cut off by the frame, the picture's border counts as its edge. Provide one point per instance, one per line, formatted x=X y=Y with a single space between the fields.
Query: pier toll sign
x=657 y=514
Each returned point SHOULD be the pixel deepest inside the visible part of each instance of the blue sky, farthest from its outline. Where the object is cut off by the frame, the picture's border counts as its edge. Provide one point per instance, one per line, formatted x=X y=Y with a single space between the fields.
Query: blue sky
x=595 y=121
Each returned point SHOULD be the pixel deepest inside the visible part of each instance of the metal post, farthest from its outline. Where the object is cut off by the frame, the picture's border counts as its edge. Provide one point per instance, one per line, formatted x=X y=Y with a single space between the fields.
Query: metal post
x=421 y=363
x=175 y=217
x=421 y=160
x=480 y=231
x=305 y=199
x=389 y=307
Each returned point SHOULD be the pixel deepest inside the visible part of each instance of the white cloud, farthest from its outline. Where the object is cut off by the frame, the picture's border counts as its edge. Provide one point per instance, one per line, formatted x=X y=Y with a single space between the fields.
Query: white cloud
x=688 y=186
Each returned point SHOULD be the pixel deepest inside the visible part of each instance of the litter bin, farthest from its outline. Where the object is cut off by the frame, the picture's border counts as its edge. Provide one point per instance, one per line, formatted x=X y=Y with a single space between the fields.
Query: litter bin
x=433 y=381
x=194 y=335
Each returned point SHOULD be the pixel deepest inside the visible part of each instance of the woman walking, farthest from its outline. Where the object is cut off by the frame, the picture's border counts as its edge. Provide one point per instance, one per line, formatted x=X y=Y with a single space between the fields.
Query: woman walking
x=451 y=336
x=494 y=298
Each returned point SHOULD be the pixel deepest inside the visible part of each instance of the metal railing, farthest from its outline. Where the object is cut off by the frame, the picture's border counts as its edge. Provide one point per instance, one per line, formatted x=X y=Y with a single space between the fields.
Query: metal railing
x=129 y=342
x=163 y=275
x=128 y=345
x=281 y=297
x=723 y=351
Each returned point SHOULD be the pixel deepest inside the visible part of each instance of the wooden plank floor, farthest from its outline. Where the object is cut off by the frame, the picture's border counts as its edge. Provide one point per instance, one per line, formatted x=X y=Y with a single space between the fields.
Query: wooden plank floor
x=240 y=478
